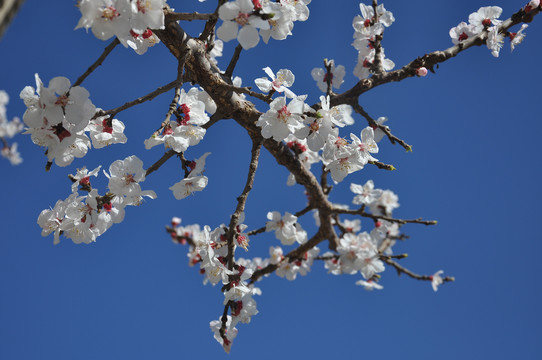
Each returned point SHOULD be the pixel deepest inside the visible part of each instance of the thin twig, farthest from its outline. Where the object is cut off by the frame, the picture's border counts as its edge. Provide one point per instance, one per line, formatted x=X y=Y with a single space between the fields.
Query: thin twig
x=403 y=270
x=160 y=162
x=372 y=123
x=382 y=165
x=362 y=212
x=129 y=104
x=98 y=62
x=233 y=61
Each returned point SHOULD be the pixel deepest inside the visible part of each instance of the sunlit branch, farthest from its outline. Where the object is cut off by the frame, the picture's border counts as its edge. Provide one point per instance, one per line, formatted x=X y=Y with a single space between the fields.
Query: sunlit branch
x=189 y=16
x=377 y=64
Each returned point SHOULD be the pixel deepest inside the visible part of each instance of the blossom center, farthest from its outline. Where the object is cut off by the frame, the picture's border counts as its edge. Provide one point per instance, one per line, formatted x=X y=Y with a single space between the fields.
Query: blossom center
x=109 y=13
x=106 y=128
x=242 y=19
x=486 y=22
x=61 y=132
x=142 y=6
x=62 y=100
x=463 y=36
x=340 y=142
x=129 y=178
x=283 y=114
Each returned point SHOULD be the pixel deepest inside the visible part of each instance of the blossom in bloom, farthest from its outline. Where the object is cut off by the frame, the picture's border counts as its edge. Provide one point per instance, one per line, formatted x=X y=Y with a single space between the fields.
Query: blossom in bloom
x=105 y=18
x=280 y=83
x=130 y=21
x=82 y=178
x=306 y=156
x=366 y=145
x=495 y=41
x=385 y=204
x=335 y=76
x=195 y=181
x=369 y=285
x=186 y=131
x=436 y=280
x=51 y=219
x=517 y=37
x=462 y=32
x=378 y=132
x=8 y=129
x=11 y=153
x=189 y=185
x=282 y=22
x=300 y=8
x=366 y=194
x=105 y=131
x=485 y=17
x=285 y=228
x=240 y=13
x=57 y=103
x=344 y=165
x=533 y=4
x=276 y=255
x=282 y=120
x=230 y=333
x=124 y=178
x=147 y=14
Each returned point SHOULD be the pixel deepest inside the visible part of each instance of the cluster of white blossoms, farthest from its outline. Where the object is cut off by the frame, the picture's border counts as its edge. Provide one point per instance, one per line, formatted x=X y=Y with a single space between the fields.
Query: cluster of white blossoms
x=486 y=19
x=9 y=129
x=130 y=21
x=298 y=123
x=247 y=20
x=82 y=218
x=186 y=130
x=209 y=249
x=367 y=27
x=57 y=118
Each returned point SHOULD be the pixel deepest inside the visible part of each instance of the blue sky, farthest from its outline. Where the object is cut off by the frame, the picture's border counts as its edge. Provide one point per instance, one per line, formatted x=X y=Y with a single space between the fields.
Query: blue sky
x=474 y=127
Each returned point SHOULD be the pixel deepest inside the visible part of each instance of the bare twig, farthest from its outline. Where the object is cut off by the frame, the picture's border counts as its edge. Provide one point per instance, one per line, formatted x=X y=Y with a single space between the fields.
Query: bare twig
x=372 y=123
x=98 y=62
x=129 y=104
x=233 y=61
x=403 y=270
x=160 y=162
x=382 y=165
x=362 y=212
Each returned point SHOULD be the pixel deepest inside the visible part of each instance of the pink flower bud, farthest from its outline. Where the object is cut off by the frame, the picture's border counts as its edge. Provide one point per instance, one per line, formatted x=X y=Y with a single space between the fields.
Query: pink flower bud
x=421 y=71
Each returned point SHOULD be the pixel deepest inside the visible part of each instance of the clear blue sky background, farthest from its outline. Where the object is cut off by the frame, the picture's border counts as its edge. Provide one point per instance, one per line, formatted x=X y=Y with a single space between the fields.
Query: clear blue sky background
x=475 y=130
